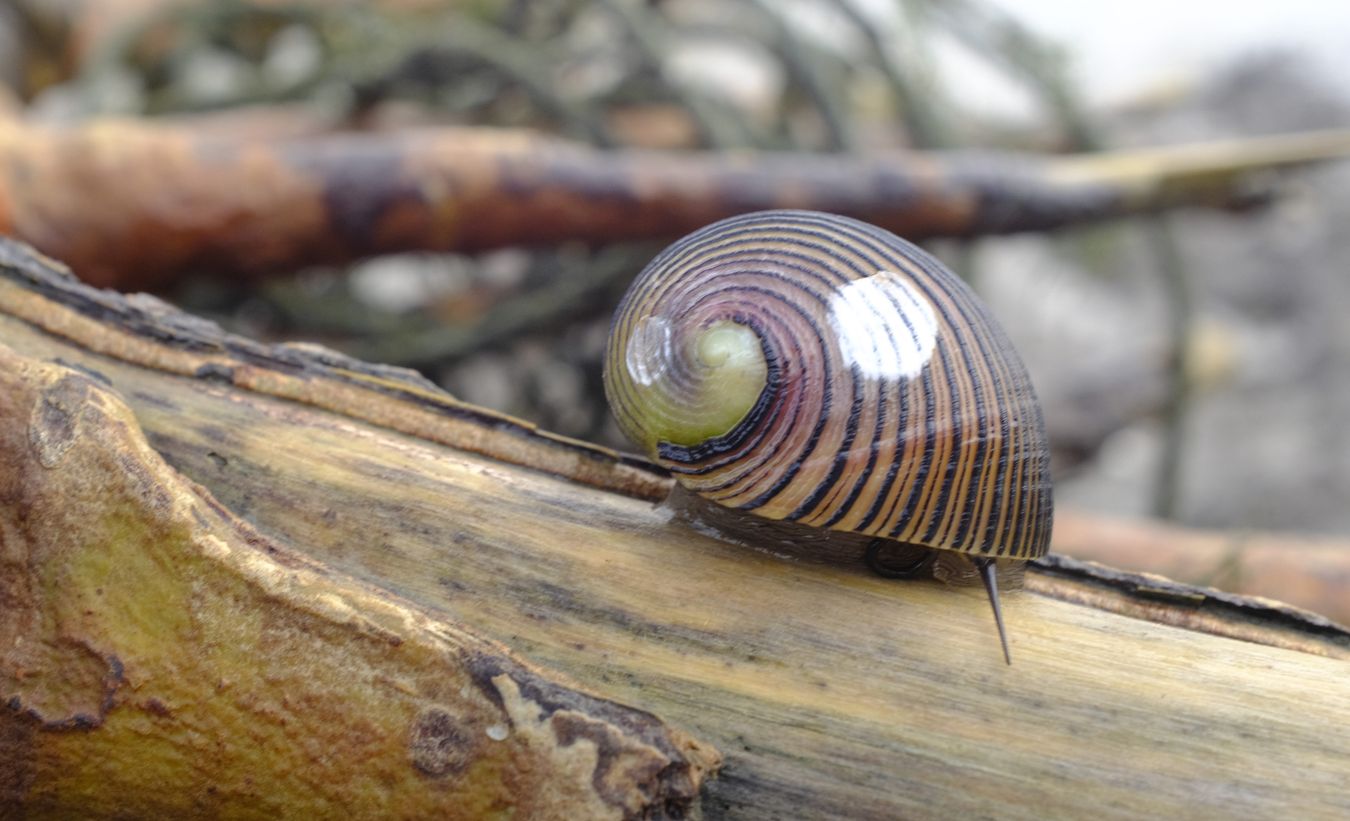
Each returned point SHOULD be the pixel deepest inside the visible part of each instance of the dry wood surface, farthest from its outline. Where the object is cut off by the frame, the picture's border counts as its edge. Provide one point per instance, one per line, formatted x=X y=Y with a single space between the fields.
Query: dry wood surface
x=829 y=692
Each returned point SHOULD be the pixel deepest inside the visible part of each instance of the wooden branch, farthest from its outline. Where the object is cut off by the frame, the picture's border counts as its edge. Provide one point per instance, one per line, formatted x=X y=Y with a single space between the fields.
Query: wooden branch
x=131 y=205
x=831 y=693
x=204 y=667
x=1312 y=572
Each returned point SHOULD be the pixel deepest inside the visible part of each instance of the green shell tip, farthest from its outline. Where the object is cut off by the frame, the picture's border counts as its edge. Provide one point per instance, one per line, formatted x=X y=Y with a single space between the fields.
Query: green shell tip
x=734 y=373
x=728 y=361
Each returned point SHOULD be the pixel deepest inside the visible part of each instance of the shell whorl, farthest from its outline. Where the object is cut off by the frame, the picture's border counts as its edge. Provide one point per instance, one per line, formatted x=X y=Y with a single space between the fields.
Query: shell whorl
x=813 y=368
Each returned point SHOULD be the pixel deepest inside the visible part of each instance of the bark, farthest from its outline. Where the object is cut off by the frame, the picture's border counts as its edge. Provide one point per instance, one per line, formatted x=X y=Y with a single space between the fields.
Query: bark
x=158 y=655
x=1312 y=572
x=332 y=505
x=131 y=205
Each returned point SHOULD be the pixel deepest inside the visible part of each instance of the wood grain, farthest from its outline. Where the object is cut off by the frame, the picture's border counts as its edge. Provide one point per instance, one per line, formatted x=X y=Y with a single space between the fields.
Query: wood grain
x=830 y=692
x=158 y=656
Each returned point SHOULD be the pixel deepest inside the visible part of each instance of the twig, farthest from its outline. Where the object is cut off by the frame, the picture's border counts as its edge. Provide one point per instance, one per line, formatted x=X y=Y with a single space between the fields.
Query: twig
x=715 y=130
x=995 y=35
x=925 y=126
x=1180 y=307
x=520 y=63
x=573 y=288
x=801 y=62
x=225 y=204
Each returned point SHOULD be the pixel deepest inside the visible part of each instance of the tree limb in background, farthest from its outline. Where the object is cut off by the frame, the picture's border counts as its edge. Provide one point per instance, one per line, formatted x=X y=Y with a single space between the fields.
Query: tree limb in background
x=131 y=205
x=831 y=692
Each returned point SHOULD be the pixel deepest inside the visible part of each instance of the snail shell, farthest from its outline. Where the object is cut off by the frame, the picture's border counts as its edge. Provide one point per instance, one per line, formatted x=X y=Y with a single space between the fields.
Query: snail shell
x=811 y=368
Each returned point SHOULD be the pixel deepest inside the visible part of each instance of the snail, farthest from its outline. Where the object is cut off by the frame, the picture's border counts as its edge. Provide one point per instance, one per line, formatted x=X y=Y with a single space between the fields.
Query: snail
x=813 y=369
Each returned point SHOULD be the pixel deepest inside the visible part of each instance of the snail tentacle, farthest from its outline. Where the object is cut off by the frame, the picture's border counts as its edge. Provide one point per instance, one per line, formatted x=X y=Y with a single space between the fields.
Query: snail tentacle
x=986 y=568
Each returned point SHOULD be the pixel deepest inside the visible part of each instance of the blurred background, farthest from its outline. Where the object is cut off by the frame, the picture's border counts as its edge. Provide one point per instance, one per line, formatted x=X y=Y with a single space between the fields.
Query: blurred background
x=1193 y=363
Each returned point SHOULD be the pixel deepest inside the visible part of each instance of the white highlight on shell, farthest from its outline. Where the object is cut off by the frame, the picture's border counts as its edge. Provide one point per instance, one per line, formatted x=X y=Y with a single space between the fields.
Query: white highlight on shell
x=497 y=732
x=885 y=326
x=650 y=347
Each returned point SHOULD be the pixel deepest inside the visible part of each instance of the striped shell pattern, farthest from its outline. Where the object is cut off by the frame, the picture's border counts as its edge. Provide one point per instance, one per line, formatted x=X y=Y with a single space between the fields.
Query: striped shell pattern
x=808 y=367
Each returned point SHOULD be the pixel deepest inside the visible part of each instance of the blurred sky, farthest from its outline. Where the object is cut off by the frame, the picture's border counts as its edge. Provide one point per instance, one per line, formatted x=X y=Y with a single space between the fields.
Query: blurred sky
x=1124 y=47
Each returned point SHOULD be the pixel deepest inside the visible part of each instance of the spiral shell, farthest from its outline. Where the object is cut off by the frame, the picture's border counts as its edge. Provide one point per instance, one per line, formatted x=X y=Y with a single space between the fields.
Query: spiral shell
x=812 y=368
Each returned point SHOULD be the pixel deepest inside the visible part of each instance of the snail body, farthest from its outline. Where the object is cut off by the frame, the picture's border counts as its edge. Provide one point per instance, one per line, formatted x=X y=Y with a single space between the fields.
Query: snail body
x=810 y=368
